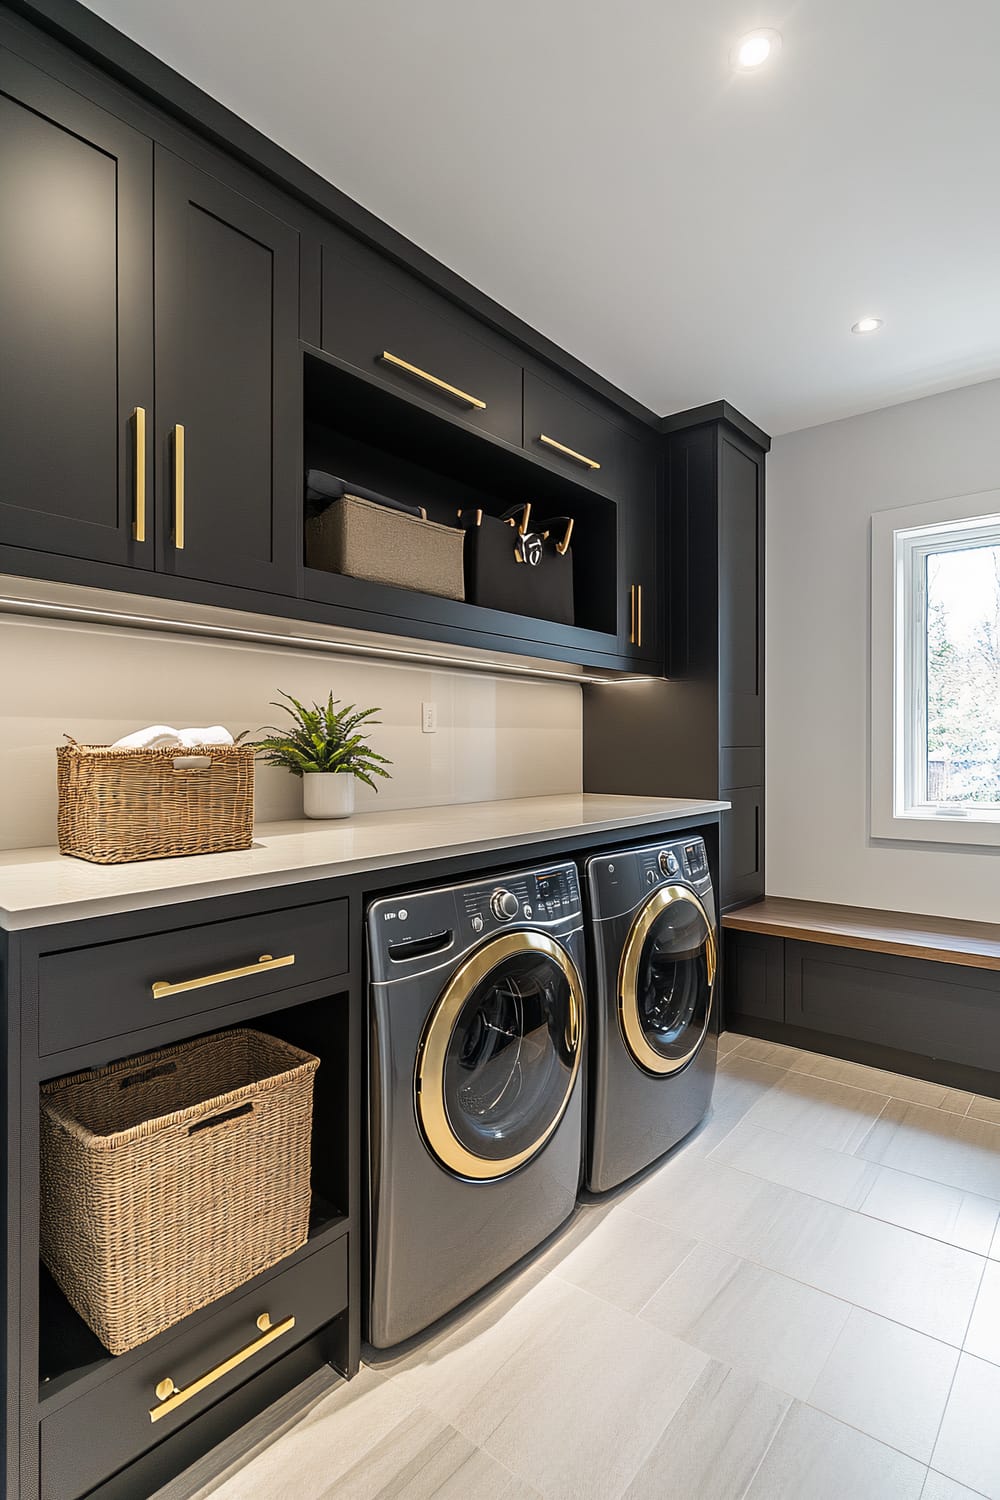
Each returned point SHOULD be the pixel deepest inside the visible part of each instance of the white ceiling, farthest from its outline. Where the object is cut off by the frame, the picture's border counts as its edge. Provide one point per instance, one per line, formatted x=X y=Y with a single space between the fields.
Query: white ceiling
x=598 y=168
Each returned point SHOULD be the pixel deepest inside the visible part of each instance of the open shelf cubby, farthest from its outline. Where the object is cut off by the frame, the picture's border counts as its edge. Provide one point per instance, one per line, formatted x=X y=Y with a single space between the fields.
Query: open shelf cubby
x=364 y=432
x=71 y=1355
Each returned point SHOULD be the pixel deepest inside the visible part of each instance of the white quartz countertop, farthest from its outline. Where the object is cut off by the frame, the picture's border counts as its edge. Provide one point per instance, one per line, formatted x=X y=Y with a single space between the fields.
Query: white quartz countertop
x=42 y=886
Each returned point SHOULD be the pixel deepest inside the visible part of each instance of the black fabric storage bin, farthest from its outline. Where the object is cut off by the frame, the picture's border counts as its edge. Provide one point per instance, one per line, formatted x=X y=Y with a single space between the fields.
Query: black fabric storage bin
x=509 y=567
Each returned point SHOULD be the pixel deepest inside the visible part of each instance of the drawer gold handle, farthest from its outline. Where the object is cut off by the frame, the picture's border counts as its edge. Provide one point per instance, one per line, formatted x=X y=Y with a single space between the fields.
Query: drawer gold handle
x=580 y=458
x=434 y=380
x=162 y=988
x=170 y=1398
x=179 y=487
x=139 y=524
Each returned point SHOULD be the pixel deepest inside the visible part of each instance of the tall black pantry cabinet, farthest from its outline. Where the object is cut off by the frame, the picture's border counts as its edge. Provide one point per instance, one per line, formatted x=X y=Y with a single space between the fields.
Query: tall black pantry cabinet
x=700 y=733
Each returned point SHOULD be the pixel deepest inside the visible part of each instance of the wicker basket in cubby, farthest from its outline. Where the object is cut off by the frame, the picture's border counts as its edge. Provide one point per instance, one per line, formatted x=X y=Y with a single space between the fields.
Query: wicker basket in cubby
x=170 y=1179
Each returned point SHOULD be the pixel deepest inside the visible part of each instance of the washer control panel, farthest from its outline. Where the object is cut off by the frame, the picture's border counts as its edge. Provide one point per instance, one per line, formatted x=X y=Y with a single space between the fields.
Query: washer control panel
x=622 y=879
x=540 y=896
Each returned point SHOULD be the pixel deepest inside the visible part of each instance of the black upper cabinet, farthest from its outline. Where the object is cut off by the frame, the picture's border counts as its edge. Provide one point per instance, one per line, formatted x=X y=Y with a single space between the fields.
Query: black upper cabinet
x=228 y=383
x=570 y=435
x=75 y=323
x=384 y=322
x=640 y=592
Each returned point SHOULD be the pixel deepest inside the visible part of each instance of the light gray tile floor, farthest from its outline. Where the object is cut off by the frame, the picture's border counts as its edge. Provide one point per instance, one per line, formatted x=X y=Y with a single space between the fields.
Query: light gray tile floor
x=796 y=1304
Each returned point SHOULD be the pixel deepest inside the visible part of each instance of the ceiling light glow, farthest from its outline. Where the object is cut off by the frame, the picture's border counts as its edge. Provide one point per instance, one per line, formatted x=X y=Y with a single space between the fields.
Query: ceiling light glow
x=755 y=48
x=866 y=325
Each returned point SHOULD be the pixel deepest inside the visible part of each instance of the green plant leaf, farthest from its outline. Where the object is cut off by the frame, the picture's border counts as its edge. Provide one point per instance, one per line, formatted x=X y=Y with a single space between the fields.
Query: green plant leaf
x=323 y=737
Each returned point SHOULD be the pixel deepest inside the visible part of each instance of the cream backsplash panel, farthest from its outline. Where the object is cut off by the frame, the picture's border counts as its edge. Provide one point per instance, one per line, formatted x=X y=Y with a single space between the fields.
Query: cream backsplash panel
x=497 y=737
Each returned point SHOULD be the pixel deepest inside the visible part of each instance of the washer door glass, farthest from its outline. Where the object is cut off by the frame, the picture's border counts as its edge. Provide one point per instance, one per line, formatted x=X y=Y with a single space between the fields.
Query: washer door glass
x=500 y=1055
x=666 y=978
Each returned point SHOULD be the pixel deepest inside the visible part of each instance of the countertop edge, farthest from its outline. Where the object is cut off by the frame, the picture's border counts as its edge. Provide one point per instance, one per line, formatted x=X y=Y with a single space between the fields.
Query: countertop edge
x=24 y=919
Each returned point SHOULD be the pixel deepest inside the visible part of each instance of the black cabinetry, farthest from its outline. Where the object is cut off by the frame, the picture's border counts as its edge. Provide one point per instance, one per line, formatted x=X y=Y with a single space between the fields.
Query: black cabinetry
x=699 y=733
x=228 y=430
x=76 y=323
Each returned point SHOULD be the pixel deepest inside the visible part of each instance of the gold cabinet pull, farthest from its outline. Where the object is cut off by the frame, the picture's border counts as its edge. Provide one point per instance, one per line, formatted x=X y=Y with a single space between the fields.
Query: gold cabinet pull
x=580 y=458
x=179 y=487
x=162 y=988
x=563 y=547
x=170 y=1398
x=434 y=380
x=139 y=524
x=635 y=614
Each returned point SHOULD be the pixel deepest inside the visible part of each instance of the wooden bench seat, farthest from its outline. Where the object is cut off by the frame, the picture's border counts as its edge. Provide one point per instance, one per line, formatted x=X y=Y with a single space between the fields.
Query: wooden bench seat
x=947 y=940
x=901 y=992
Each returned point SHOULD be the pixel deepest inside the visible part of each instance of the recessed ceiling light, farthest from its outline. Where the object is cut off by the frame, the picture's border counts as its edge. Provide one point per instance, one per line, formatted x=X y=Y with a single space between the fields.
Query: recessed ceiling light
x=866 y=325
x=755 y=48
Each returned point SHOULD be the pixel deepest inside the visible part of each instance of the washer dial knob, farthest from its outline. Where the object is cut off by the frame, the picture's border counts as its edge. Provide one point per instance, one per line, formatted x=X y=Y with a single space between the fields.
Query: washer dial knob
x=503 y=905
x=668 y=862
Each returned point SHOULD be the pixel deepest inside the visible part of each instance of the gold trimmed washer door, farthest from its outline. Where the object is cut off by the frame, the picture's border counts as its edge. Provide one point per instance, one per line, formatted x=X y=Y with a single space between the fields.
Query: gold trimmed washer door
x=665 y=980
x=499 y=1055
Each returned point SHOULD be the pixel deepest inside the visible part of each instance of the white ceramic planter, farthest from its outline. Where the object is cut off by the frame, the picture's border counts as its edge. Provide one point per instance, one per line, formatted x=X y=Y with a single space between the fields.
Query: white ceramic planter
x=328 y=794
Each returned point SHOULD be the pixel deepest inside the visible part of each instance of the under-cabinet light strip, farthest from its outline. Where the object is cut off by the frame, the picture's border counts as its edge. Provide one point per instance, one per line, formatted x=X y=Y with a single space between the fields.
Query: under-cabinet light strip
x=415 y=655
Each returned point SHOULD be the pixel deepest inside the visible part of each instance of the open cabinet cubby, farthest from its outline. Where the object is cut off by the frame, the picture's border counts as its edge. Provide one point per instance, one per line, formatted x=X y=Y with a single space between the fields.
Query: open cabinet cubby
x=70 y=1355
x=372 y=436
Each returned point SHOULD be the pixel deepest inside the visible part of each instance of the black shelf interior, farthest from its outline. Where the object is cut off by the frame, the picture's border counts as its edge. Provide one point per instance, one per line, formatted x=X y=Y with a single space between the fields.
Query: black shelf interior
x=362 y=431
x=69 y=1352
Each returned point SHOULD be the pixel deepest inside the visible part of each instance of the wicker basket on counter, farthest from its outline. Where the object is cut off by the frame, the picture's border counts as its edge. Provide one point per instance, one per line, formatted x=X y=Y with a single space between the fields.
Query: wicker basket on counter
x=170 y=1179
x=122 y=805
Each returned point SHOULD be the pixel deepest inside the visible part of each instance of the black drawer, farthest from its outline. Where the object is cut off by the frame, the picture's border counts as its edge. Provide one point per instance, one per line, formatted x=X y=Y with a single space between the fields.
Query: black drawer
x=601 y=453
x=382 y=320
x=93 y=1437
x=90 y=994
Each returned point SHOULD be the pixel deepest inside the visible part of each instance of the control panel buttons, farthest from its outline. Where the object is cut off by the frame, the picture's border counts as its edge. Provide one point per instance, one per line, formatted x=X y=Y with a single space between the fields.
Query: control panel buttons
x=504 y=905
x=526 y=908
x=669 y=863
x=650 y=877
x=477 y=922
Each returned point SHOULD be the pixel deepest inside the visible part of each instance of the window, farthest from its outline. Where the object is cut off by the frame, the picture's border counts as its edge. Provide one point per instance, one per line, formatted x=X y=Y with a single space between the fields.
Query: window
x=936 y=671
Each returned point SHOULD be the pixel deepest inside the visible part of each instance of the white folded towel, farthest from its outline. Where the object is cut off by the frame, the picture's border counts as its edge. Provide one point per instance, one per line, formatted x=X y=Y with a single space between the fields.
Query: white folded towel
x=155 y=737
x=161 y=736
x=214 y=735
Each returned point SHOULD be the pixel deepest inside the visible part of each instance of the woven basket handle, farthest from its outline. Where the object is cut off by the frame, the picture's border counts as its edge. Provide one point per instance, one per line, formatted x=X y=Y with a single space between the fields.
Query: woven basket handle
x=191 y=762
x=228 y=1117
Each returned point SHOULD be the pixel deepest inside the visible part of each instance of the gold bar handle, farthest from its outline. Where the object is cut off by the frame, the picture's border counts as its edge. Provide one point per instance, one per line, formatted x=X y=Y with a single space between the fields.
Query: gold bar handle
x=162 y=988
x=434 y=380
x=635 y=614
x=580 y=458
x=563 y=547
x=179 y=487
x=170 y=1398
x=139 y=524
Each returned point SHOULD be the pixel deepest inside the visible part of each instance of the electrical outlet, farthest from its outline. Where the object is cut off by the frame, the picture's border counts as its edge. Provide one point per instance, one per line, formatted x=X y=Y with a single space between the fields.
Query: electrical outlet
x=429 y=718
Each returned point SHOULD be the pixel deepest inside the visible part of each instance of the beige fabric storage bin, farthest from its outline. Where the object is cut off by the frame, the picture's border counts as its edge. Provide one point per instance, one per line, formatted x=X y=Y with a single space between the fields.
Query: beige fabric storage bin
x=170 y=1179
x=370 y=541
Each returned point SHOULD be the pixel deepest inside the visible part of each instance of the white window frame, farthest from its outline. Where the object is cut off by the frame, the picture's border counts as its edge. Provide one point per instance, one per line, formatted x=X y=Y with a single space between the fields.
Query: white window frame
x=901 y=541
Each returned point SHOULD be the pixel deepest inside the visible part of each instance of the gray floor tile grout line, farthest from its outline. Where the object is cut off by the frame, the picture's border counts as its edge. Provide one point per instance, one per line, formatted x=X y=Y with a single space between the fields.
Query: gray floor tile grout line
x=951 y=1387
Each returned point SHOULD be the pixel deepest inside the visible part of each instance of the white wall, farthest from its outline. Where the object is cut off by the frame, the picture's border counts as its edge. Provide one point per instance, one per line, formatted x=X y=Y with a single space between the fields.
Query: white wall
x=497 y=736
x=823 y=486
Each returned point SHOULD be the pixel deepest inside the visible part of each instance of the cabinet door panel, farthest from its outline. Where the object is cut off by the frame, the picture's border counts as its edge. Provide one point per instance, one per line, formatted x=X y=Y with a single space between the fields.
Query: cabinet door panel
x=227 y=373
x=372 y=308
x=741 y=551
x=640 y=571
x=602 y=456
x=75 y=319
x=742 y=853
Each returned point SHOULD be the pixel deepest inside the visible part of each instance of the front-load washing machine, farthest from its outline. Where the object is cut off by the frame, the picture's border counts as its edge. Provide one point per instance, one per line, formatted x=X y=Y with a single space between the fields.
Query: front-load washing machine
x=653 y=1047
x=477 y=1037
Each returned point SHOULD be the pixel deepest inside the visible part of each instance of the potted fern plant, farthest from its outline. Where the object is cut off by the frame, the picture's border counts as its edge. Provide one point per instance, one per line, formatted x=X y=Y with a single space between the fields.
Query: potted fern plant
x=325 y=745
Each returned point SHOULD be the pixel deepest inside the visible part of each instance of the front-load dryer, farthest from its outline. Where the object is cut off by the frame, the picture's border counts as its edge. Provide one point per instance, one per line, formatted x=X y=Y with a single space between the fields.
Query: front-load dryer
x=653 y=1047
x=477 y=1038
